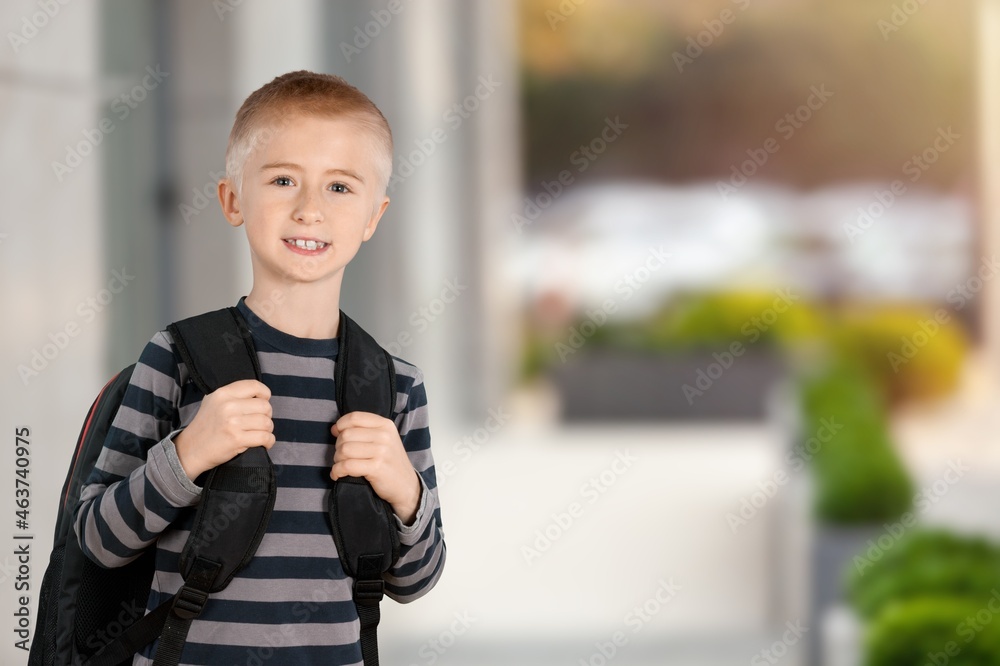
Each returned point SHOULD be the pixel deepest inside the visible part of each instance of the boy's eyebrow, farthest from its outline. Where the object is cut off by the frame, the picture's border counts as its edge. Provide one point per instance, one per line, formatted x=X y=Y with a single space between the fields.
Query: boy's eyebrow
x=292 y=165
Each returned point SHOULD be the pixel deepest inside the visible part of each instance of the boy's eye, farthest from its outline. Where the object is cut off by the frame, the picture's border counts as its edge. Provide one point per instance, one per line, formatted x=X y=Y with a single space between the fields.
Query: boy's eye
x=340 y=187
x=282 y=180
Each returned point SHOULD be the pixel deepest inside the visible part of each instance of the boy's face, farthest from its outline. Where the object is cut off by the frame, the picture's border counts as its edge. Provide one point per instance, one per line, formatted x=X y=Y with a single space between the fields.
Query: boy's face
x=313 y=179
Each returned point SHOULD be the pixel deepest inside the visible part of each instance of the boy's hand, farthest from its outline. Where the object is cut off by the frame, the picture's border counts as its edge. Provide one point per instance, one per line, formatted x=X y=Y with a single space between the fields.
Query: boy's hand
x=368 y=445
x=230 y=420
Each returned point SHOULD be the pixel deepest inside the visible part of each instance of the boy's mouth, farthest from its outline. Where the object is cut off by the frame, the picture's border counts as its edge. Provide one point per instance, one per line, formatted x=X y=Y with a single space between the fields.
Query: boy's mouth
x=303 y=246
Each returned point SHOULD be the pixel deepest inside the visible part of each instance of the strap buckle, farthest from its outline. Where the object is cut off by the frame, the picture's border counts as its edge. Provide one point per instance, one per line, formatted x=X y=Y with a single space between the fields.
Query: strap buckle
x=189 y=603
x=369 y=592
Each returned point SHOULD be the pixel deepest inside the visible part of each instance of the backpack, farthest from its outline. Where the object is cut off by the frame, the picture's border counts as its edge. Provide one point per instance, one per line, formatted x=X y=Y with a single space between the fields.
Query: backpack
x=92 y=616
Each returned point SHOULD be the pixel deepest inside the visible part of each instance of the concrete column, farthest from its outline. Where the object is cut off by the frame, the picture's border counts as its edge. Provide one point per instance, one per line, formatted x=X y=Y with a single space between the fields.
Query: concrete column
x=447 y=221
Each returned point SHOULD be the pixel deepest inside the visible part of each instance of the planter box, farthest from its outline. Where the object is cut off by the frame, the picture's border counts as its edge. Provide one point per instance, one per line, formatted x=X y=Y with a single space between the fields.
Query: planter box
x=833 y=551
x=610 y=385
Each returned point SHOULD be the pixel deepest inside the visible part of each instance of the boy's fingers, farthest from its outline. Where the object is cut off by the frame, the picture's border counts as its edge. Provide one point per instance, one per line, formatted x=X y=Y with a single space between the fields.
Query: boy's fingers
x=247 y=388
x=253 y=406
x=259 y=438
x=353 y=435
x=359 y=419
x=257 y=422
x=354 y=451
x=350 y=467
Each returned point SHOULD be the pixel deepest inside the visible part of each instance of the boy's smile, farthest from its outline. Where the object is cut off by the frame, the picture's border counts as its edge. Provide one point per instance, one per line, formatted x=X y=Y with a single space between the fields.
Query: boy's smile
x=310 y=197
x=306 y=246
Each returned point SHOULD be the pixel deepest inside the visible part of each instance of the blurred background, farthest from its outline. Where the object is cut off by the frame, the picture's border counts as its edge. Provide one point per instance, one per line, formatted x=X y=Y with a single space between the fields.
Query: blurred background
x=703 y=293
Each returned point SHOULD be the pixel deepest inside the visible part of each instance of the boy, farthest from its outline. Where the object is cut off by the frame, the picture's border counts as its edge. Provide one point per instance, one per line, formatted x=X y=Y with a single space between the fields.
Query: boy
x=307 y=165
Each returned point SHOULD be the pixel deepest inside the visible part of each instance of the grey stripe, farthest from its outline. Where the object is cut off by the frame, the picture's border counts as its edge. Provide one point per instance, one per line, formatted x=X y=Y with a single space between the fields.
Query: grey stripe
x=163 y=340
x=166 y=341
x=271 y=589
x=298 y=545
x=271 y=545
x=91 y=490
x=137 y=491
x=109 y=512
x=93 y=540
x=421 y=573
x=412 y=539
x=116 y=462
x=302 y=453
x=304 y=409
x=273 y=635
x=142 y=425
x=407 y=598
x=421 y=460
x=417 y=550
x=406 y=369
x=401 y=400
x=418 y=418
x=301 y=499
x=276 y=363
x=149 y=378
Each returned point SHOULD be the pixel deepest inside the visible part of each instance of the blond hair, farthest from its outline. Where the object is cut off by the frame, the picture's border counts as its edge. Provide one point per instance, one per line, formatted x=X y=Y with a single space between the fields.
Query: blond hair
x=325 y=95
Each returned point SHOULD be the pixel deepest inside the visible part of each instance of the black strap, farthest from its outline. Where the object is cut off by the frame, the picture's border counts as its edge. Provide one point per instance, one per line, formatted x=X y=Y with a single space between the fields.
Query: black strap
x=238 y=495
x=187 y=605
x=143 y=632
x=368 y=591
x=364 y=375
x=362 y=522
x=216 y=348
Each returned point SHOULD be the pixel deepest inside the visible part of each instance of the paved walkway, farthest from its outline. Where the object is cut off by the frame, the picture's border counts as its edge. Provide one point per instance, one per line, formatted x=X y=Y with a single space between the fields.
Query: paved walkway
x=561 y=538
x=962 y=431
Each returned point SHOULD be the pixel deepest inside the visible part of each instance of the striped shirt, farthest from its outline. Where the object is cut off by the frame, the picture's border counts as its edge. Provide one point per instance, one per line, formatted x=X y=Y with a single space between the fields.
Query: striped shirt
x=292 y=604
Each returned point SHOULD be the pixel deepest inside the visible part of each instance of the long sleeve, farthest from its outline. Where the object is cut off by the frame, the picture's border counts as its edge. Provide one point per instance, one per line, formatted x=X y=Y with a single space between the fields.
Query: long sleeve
x=422 y=548
x=137 y=487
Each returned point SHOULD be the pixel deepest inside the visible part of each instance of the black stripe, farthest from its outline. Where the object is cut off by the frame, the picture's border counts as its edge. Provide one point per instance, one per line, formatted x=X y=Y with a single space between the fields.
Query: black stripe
x=207 y=654
x=261 y=567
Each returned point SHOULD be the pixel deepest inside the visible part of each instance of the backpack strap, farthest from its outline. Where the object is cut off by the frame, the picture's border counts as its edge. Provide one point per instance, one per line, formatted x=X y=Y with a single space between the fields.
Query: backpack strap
x=218 y=545
x=217 y=349
x=362 y=522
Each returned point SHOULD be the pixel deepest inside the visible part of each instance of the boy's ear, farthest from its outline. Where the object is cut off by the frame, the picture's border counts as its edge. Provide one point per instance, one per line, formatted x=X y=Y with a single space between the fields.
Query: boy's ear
x=230 y=202
x=376 y=216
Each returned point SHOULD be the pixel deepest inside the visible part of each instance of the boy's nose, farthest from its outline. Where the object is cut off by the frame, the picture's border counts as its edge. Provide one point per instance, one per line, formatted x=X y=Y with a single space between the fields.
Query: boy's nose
x=307 y=209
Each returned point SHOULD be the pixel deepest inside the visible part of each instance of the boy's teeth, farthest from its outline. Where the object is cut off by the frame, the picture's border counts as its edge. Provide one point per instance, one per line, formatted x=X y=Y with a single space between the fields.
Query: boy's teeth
x=307 y=244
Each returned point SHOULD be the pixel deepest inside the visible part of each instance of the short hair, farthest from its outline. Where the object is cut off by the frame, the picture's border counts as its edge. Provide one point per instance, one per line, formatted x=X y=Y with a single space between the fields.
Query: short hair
x=312 y=93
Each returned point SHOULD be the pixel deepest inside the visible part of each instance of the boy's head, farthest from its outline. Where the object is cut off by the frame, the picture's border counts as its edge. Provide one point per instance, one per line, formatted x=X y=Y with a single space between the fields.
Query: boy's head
x=310 y=93
x=307 y=166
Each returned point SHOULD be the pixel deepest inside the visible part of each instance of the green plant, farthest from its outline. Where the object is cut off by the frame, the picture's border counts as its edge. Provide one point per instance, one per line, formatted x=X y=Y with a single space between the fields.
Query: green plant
x=913 y=352
x=933 y=630
x=926 y=563
x=859 y=477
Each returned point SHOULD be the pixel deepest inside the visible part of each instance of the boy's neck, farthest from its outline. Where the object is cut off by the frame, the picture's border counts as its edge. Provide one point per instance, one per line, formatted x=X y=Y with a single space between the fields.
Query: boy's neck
x=303 y=313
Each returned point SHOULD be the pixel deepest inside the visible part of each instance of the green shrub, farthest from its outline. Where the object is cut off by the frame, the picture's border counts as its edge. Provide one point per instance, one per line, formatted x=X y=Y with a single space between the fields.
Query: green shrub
x=934 y=630
x=926 y=563
x=859 y=477
x=884 y=338
x=716 y=320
